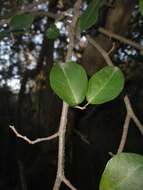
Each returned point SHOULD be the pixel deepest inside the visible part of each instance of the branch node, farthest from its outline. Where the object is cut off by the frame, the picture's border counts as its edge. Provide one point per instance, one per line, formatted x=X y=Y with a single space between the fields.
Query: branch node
x=38 y=140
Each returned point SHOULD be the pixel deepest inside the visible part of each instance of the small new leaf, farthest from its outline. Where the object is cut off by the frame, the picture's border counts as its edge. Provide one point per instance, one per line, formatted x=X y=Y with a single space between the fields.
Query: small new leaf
x=52 y=32
x=123 y=172
x=105 y=85
x=69 y=81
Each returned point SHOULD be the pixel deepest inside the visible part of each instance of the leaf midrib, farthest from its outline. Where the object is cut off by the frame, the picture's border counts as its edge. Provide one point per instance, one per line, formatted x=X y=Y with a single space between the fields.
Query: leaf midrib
x=103 y=86
x=75 y=99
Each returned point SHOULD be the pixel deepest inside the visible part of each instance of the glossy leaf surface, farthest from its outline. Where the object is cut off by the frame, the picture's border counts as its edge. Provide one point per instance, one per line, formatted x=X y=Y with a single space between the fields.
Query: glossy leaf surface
x=69 y=82
x=105 y=85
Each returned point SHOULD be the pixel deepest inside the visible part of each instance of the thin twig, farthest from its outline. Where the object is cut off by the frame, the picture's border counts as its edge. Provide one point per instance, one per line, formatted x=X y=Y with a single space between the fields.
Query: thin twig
x=38 y=140
x=130 y=115
x=82 y=137
x=63 y=121
x=120 y=38
x=112 y=48
x=130 y=112
x=61 y=151
x=124 y=133
x=32 y=12
x=111 y=154
x=101 y=50
x=68 y=183
x=82 y=107
x=73 y=29
x=137 y=122
x=42 y=13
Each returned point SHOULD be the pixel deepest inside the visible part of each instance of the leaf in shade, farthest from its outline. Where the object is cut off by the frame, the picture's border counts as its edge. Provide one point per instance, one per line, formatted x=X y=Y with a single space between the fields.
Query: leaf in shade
x=90 y=16
x=105 y=85
x=123 y=172
x=53 y=32
x=4 y=34
x=69 y=81
x=21 y=21
x=141 y=6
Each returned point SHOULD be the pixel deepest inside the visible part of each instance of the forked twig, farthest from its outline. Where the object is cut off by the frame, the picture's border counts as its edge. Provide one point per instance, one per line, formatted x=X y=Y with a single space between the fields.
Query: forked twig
x=63 y=122
x=60 y=177
x=112 y=48
x=101 y=50
x=38 y=140
x=82 y=107
x=68 y=183
x=130 y=113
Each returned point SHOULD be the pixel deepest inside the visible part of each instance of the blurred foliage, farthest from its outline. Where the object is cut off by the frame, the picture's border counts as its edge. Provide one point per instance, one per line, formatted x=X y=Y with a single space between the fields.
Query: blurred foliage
x=20 y=50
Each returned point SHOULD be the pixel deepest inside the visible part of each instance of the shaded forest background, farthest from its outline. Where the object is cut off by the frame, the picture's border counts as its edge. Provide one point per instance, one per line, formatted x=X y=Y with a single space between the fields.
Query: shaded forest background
x=28 y=103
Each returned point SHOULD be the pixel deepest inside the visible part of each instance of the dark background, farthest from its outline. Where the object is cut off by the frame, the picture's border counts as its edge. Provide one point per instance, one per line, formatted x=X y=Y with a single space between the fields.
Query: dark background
x=28 y=103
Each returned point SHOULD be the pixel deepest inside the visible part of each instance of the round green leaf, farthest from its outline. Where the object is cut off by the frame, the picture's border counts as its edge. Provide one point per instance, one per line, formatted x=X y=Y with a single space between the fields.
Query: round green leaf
x=53 y=32
x=69 y=81
x=21 y=21
x=105 y=85
x=123 y=172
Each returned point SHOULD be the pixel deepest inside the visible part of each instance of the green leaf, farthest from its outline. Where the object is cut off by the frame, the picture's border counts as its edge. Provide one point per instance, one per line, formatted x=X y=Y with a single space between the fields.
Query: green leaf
x=123 y=172
x=4 y=34
x=53 y=32
x=141 y=6
x=21 y=21
x=105 y=85
x=90 y=16
x=69 y=81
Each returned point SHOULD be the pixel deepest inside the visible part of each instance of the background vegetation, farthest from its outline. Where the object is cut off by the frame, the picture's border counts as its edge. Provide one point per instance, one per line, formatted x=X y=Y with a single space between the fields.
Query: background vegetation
x=33 y=36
